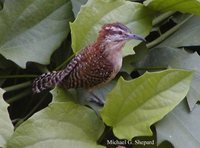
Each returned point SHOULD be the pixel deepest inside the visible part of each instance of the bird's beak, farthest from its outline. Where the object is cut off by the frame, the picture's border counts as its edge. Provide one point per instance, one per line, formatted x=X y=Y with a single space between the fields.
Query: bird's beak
x=136 y=37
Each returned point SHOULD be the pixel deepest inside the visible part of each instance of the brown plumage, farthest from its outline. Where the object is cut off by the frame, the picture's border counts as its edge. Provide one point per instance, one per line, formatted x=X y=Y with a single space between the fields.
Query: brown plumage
x=95 y=65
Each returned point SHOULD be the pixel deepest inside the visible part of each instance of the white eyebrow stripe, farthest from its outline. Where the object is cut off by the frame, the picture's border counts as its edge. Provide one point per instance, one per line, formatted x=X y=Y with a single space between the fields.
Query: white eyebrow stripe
x=107 y=28
x=116 y=29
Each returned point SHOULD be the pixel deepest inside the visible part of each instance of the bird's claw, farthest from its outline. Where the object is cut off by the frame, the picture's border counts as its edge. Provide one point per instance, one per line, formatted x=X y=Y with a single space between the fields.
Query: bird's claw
x=95 y=99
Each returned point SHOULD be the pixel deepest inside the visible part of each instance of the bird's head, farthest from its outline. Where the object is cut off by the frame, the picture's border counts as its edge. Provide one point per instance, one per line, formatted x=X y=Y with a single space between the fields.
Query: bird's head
x=117 y=32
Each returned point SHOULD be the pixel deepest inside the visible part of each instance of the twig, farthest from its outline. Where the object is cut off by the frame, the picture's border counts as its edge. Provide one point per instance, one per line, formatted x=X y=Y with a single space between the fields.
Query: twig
x=167 y=33
x=17 y=76
x=162 y=17
x=19 y=96
x=150 y=68
x=17 y=86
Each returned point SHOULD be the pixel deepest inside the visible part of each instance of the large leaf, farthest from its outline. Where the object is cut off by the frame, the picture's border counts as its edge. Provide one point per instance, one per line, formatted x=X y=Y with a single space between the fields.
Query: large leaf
x=96 y=13
x=6 y=127
x=61 y=95
x=133 y=106
x=129 y=61
x=76 y=4
x=62 y=124
x=187 y=35
x=180 y=127
x=176 y=58
x=188 y=6
x=30 y=30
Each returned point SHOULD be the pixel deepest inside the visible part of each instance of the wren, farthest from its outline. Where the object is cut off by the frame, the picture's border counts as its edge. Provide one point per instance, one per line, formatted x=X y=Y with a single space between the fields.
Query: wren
x=94 y=65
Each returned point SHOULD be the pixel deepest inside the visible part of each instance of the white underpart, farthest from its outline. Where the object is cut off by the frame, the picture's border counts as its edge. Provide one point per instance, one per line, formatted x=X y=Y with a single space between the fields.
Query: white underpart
x=114 y=52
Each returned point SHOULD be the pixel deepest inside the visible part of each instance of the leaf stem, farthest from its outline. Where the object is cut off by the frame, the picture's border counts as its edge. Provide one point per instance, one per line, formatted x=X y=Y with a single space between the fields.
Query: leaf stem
x=17 y=76
x=150 y=68
x=167 y=33
x=17 y=86
x=19 y=96
x=162 y=17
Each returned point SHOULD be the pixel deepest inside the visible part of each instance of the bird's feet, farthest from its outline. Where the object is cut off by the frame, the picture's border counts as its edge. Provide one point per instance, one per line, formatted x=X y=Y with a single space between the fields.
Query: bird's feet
x=95 y=99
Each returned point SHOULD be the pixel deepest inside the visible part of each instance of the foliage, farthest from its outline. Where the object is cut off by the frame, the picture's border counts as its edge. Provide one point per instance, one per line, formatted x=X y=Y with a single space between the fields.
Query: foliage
x=36 y=33
x=6 y=127
x=24 y=34
x=180 y=124
x=134 y=15
x=133 y=112
x=59 y=124
x=191 y=6
x=175 y=57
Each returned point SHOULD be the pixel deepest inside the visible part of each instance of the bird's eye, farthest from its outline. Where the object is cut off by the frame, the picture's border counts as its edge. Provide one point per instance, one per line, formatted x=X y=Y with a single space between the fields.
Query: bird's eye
x=120 y=32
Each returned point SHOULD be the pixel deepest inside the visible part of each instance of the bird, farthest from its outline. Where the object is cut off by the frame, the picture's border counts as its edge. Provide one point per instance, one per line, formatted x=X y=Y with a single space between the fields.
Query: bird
x=95 y=65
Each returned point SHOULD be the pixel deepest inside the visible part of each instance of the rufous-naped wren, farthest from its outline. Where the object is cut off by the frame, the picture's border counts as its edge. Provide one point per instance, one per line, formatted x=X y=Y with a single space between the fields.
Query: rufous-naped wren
x=94 y=65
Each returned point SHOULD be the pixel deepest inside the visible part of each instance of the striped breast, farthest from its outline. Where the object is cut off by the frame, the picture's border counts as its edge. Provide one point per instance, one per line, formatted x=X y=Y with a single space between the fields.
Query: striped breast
x=92 y=69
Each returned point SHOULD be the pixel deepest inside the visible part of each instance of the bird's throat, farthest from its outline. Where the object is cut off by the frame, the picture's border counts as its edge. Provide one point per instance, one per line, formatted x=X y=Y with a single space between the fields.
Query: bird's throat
x=113 y=47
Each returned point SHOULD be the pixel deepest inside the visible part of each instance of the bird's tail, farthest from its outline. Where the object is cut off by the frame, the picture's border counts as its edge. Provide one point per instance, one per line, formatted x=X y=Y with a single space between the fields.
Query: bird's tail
x=50 y=79
x=47 y=80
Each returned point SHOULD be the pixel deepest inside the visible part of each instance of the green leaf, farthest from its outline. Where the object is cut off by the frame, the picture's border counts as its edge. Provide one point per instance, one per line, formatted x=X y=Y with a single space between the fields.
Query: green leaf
x=76 y=4
x=97 y=13
x=31 y=30
x=187 y=35
x=129 y=61
x=6 y=127
x=176 y=58
x=185 y=6
x=133 y=106
x=61 y=95
x=60 y=125
x=180 y=127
